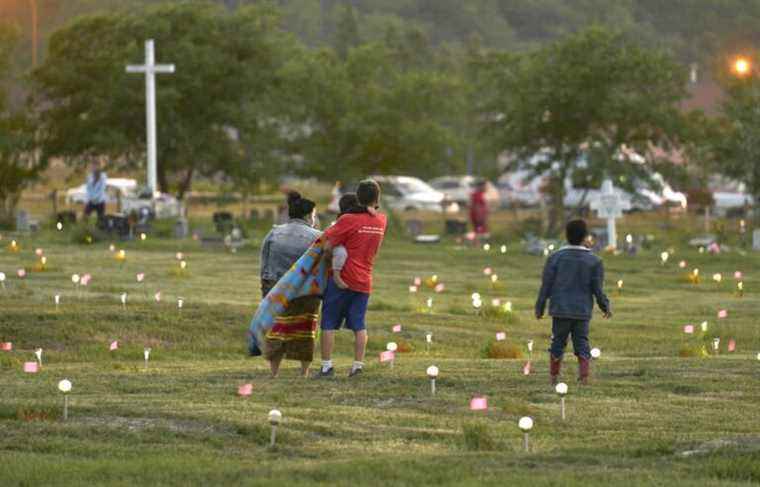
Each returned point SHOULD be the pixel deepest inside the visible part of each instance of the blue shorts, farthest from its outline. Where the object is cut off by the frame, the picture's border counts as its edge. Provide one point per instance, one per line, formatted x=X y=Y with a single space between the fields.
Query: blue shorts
x=343 y=305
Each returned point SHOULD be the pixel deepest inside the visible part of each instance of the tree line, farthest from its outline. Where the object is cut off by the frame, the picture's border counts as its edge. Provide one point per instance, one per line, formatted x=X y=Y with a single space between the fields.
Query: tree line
x=250 y=101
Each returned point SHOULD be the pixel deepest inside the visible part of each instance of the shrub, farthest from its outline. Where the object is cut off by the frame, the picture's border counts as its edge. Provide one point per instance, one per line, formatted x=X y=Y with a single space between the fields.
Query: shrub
x=502 y=350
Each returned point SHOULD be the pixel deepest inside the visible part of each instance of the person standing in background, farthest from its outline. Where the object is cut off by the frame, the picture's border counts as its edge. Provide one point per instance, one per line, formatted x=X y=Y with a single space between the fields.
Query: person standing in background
x=479 y=211
x=96 y=192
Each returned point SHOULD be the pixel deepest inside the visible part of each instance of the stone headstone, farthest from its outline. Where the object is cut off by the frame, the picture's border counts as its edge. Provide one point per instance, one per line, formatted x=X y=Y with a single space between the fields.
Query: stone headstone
x=756 y=240
x=22 y=221
x=181 y=228
x=414 y=227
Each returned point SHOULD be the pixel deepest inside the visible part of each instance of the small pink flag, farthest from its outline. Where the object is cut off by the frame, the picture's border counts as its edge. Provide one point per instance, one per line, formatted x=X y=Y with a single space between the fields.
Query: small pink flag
x=21 y=273
x=440 y=287
x=488 y=271
x=732 y=345
x=387 y=356
x=418 y=281
x=478 y=403
x=140 y=277
x=501 y=336
x=31 y=367
x=738 y=275
x=85 y=280
x=722 y=314
x=396 y=328
x=688 y=329
x=6 y=346
x=526 y=368
x=114 y=346
x=245 y=390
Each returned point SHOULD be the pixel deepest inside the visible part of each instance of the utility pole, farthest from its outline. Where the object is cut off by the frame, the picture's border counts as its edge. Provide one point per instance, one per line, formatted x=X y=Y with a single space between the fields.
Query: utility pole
x=34 y=32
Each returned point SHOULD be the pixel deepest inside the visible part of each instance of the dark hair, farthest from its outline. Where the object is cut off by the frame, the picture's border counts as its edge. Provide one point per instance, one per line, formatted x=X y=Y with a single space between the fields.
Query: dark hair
x=576 y=232
x=299 y=207
x=368 y=192
x=348 y=202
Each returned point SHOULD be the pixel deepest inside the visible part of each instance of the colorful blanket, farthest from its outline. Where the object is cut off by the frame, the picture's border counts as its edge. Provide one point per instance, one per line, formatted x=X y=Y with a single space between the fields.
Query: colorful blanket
x=307 y=277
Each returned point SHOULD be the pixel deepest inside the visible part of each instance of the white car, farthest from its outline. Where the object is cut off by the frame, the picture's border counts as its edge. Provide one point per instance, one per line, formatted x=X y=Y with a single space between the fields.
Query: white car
x=405 y=193
x=459 y=189
x=115 y=188
x=125 y=192
x=519 y=189
x=729 y=195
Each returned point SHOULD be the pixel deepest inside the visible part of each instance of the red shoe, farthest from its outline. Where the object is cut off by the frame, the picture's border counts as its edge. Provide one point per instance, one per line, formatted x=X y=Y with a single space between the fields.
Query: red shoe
x=555 y=364
x=584 y=366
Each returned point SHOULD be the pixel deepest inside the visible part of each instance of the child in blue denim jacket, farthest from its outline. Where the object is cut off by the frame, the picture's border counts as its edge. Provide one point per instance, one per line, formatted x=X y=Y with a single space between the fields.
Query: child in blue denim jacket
x=572 y=278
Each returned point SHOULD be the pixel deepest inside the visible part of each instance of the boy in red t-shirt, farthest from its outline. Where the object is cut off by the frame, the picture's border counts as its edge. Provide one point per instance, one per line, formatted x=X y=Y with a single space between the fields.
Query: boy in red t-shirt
x=361 y=234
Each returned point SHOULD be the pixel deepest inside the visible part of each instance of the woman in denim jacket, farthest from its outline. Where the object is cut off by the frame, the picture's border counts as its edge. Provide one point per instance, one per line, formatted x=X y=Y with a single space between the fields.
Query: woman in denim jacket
x=293 y=334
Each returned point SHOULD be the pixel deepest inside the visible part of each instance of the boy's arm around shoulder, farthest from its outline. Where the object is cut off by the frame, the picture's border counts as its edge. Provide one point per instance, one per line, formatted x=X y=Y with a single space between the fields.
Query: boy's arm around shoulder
x=547 y=282
x=597 y=288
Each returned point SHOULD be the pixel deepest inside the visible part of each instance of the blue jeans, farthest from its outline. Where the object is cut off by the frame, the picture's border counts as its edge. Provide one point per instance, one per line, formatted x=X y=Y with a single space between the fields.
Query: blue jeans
x=564 y=327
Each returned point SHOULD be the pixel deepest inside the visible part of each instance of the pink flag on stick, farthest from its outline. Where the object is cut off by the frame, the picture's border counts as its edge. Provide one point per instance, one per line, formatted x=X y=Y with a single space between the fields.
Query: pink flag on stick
x=526 y=368
x=6 y=346
x=732 y=345
x=478 y=403
x=396 y=328
x=722 y=314
x=245 y=390
x=31 y=367
x=114 y=345
x=738 y=275
x=688 y=329
x=387 y=356
x=501 y=336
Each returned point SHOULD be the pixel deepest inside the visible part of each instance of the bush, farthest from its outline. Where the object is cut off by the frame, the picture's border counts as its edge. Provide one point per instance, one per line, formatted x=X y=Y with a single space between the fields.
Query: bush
x=502 y=350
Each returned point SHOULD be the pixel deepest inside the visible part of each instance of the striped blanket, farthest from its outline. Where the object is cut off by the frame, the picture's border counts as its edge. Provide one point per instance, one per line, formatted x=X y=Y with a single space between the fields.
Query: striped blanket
x=307 y=277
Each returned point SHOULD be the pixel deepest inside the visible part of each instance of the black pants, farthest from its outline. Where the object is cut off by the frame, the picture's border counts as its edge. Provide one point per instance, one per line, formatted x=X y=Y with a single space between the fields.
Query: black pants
x=562 y=328
x=99 y=208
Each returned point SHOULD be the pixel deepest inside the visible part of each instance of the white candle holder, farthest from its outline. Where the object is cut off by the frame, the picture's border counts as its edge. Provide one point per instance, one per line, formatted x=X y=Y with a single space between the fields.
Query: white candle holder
x=432 y=373
x=65 y=387
x=275 y=416
x=526 y=424
x=561 y=390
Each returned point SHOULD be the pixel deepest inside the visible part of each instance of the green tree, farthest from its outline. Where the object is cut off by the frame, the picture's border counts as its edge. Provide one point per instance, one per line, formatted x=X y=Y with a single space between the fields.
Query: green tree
x=738 y=146
x=209 y=112
x=19 y=166
x=367 y=115
x=581 y=101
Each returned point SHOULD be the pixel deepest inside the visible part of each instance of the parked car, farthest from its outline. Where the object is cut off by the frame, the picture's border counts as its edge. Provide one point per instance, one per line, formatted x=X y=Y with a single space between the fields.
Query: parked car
x=458 y=189
x=518 y=190
x=115 y=188
x=126 y=193
x=401 y=193
x=729 y=196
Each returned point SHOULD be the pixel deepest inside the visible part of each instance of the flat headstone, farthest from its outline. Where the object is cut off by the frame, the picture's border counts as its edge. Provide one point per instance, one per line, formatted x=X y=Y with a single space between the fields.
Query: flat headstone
x=22 y=221
x=181 y=228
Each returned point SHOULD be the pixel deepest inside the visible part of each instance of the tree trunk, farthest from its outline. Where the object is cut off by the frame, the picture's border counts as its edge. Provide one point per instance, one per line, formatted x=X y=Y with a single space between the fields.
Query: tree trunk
x=557 y=205
x=163 y=181
x=184 y=185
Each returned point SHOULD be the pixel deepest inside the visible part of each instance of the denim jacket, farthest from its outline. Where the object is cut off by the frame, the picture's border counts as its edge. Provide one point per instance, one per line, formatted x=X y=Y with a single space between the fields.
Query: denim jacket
x=283 y=246
x=572 y=278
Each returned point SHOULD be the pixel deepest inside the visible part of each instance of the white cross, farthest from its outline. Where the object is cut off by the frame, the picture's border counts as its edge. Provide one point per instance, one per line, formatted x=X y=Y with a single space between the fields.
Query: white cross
x=610 y=205
x=150 y=68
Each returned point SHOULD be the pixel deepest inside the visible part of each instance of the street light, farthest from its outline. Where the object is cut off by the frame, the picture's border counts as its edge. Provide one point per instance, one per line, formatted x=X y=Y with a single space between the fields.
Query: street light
x=742 y=66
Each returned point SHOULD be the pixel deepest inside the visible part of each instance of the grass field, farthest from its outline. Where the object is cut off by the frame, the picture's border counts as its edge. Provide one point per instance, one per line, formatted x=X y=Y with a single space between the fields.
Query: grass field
x=180 y=422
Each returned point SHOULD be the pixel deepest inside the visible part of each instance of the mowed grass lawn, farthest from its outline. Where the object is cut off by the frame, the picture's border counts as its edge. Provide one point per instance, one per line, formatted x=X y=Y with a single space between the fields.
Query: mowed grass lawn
x=181 y=422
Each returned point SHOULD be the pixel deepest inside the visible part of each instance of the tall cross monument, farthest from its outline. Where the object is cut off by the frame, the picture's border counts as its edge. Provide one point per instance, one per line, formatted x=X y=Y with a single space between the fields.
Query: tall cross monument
x=150 y=69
